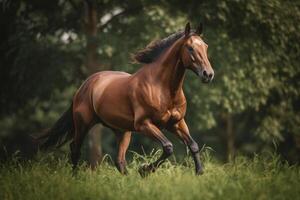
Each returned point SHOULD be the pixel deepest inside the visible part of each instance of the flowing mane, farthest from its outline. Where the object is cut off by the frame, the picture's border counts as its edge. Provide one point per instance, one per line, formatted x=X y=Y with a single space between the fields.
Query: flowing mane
x=152 y=51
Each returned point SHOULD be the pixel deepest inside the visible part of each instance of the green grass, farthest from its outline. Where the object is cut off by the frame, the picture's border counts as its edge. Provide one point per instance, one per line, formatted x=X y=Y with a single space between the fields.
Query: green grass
x=263 y=177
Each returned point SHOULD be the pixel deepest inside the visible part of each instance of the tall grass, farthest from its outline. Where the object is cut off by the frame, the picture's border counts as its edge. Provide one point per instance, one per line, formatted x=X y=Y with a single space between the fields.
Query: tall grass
x=262 y=177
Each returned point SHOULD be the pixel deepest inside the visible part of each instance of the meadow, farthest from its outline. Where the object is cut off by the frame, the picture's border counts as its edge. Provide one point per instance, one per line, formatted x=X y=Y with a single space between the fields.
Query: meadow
x=264 y=176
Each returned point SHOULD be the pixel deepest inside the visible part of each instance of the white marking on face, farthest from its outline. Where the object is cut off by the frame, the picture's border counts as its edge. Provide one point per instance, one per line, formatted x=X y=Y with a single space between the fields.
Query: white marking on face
x=198 y=42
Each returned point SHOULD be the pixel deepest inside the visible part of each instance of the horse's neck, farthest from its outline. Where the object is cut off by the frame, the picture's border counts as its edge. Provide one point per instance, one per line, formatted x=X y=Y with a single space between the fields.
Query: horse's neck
x=170 y=70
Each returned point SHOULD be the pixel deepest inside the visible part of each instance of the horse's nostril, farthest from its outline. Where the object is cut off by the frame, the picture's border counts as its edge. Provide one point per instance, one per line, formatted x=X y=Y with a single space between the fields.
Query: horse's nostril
x=204 y=73
x=210 y=75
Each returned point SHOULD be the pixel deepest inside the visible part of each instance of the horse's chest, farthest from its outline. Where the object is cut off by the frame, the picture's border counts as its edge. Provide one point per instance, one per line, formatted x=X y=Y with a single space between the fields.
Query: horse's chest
x=168 y=116
x=162 y=108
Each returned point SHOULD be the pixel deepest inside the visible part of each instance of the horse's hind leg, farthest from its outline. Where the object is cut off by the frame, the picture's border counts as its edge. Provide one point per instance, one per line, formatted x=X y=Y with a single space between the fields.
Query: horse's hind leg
x=123 y=140
x=81 y=128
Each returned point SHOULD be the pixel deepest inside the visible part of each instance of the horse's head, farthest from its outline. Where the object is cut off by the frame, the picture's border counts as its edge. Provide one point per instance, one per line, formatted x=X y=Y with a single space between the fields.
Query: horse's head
x=194 y=54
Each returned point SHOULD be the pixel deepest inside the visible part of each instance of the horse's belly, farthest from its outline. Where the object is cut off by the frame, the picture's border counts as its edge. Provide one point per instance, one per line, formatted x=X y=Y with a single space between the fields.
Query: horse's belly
x=117 y=121
x=116 y=114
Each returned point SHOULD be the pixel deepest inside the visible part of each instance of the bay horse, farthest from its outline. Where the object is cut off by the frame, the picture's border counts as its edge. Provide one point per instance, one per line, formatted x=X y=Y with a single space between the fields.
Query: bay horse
x=147 y=101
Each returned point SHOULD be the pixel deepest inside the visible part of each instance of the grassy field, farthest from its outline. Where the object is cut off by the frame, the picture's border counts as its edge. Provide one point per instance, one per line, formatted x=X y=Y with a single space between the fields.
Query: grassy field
x=263 y=177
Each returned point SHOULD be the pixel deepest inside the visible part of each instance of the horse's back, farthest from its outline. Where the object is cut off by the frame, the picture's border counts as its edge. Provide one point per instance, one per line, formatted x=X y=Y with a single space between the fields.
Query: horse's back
x=97 y=81
x=108 y=79
x=108 y=76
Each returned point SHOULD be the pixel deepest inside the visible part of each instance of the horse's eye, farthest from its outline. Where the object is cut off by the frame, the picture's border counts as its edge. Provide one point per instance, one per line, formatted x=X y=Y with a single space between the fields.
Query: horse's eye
x=190 y=49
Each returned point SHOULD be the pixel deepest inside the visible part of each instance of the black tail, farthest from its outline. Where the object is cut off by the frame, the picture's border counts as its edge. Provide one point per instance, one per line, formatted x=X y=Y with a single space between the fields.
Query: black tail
x=61 y=132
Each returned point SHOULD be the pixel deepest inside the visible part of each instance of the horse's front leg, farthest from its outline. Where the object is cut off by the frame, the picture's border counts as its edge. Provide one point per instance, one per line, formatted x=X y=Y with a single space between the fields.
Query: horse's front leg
x=182 y=131
x=152 y=131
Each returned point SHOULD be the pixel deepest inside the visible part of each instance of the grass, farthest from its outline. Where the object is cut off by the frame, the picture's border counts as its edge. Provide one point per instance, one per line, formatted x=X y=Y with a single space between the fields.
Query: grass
x=262 y=177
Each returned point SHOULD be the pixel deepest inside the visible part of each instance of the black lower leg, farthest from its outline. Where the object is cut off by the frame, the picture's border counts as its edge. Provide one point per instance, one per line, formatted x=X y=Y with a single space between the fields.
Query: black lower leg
x=75 y=154
x=194 y=148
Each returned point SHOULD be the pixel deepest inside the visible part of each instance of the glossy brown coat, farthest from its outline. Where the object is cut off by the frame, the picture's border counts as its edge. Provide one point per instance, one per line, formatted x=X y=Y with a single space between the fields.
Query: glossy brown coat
x=145 y=102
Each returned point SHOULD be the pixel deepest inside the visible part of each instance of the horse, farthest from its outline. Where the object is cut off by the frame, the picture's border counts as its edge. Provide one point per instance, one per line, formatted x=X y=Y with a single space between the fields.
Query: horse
x=145 y=102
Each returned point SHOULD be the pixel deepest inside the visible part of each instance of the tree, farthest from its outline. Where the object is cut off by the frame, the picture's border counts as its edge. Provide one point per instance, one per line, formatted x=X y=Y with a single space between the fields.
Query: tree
x=253 y=47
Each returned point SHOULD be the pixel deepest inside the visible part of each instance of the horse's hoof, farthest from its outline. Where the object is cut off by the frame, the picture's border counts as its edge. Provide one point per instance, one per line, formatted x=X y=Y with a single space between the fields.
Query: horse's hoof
x=144 y=171
x=122 y=170
x=199 y=172
x=74 y=171
x=125 y=172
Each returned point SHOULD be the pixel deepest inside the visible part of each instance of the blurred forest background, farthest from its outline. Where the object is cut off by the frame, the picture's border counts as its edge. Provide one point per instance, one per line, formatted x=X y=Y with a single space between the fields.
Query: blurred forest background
x=49 y=47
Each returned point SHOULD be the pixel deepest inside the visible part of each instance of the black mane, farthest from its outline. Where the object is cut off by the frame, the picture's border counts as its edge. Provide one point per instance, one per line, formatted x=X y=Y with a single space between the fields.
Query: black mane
x=151 y=52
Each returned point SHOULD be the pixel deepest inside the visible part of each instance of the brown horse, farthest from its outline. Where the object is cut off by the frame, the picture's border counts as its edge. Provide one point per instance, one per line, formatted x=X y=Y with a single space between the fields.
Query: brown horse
x=147 y=101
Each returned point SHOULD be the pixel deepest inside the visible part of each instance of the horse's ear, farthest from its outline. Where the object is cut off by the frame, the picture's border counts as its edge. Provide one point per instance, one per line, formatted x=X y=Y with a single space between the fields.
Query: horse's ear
x=187 y=29
x=199 y=29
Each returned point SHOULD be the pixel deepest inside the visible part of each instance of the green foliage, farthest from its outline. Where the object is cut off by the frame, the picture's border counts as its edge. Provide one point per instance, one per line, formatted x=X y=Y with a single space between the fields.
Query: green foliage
x=253 y=47
x=263 y=177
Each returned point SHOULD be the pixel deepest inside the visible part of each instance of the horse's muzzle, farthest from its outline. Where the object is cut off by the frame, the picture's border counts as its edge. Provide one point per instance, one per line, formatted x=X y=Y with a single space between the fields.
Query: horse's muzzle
x=206 y=76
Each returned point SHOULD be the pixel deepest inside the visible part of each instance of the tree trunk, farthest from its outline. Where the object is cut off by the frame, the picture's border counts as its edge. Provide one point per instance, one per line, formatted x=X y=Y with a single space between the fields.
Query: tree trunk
x=230 y=138
x=90 y=26
x=92 y=63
